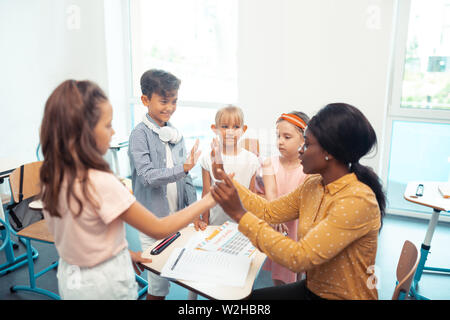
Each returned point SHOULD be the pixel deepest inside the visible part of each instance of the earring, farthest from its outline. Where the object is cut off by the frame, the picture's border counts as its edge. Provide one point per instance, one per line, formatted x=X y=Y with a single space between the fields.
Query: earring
x=326 y=158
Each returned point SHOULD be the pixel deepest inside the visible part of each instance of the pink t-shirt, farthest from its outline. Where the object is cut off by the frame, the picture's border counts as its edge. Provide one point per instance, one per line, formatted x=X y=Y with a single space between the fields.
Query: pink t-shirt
x=287 y=181
x=93 y=236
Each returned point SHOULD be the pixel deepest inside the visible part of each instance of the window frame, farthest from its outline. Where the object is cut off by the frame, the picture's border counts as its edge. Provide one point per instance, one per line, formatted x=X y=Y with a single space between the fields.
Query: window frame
x=394 y=110
x=133 y=100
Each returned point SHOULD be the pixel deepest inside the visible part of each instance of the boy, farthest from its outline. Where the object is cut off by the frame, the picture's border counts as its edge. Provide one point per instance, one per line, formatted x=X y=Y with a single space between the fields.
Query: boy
x=157 y=151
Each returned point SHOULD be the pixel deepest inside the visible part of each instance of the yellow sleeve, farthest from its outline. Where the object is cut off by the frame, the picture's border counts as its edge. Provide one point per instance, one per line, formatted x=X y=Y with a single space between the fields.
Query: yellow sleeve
x=346 y=222
x=281 y=210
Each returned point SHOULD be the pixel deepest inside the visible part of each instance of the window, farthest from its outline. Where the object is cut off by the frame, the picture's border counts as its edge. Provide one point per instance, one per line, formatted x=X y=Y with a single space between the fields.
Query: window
x=196 y=40
x=420 y=151
x=418 y=120
x=426 y=77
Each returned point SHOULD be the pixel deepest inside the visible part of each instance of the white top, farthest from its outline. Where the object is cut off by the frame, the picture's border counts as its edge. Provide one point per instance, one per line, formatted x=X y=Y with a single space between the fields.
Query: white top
x=244 y=165
x=172 y=194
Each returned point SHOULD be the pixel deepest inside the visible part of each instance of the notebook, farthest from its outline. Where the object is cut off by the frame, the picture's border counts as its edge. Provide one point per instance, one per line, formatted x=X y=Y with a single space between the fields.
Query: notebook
x=207 y=267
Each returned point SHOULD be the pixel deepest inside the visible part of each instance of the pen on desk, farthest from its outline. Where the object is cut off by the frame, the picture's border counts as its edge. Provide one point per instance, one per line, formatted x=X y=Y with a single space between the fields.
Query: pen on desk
x=163 y=244
x=165 y=241
x=178 y=258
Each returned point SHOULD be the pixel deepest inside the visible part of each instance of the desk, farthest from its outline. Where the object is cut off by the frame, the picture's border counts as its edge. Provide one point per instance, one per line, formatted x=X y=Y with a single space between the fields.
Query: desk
x=115 y=146
x=8 y=165
x=433 y=199
x=216 y=292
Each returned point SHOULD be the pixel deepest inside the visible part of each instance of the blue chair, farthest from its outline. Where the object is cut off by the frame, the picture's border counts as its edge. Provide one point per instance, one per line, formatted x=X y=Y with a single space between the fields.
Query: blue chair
x=36 y=231
x=406 y=268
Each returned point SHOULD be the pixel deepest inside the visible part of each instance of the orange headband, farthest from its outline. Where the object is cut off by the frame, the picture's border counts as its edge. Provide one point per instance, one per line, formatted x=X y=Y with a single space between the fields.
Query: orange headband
x=295 y=120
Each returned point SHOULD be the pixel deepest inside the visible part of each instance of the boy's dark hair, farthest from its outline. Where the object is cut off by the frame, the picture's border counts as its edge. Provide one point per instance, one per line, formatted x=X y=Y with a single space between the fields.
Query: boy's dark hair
x=160 y=82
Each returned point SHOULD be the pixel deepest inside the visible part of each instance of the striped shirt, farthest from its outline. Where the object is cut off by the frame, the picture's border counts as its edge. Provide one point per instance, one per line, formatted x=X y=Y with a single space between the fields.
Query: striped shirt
x=150 y=175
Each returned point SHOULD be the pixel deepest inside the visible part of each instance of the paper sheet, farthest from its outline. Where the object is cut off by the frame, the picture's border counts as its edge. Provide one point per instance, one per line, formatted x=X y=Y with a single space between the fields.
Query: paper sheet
x=227 y=239
x=209 y=267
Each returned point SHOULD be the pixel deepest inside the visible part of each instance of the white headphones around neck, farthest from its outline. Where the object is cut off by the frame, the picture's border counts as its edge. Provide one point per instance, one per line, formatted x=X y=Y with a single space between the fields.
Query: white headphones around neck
x=166 y=133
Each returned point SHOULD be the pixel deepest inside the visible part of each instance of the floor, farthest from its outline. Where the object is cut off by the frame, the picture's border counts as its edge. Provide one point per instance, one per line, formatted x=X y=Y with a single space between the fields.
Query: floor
x=396 y=229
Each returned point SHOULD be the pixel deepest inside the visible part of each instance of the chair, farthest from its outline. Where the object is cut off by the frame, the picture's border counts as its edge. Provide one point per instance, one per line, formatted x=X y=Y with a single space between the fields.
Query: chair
x=37 y=231
x=406 y=267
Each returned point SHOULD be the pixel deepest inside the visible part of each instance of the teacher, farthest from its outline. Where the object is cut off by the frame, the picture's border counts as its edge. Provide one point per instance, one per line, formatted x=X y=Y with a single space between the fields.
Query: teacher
x=339 y=208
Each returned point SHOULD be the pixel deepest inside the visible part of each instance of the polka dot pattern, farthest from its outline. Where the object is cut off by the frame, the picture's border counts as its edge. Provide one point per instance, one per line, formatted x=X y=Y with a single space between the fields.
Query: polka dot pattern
x=337 y=232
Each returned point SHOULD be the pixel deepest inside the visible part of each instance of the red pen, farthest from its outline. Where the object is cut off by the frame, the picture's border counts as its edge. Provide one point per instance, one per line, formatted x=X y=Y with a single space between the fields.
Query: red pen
x=165 y=243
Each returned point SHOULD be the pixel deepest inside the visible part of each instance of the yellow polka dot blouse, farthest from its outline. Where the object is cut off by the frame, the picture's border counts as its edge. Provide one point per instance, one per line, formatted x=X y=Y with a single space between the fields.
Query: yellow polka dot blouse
x=337 y=234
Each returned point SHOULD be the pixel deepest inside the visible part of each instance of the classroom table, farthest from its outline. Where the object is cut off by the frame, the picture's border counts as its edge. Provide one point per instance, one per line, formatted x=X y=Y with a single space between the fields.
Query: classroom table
x=115 y=146
x=216 y=292
x=7 y=166
x=433 y=199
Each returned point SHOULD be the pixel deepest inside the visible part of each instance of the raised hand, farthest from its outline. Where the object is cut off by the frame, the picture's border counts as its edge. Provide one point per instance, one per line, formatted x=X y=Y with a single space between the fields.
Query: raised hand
x=193 y=157
x=226 y=195
x=216 y=158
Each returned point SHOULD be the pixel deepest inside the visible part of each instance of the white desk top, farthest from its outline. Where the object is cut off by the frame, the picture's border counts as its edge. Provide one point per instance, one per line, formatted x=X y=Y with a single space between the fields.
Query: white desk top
x=118 y=143
x=431 y=196
x=7 y=165
x=212 y=292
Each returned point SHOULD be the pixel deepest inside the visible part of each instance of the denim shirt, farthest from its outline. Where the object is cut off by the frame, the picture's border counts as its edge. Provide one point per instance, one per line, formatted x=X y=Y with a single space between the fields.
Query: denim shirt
x=149 y=172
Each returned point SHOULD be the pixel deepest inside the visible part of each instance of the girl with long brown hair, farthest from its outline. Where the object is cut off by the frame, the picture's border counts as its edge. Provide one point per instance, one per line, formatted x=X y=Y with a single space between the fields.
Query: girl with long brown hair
x=85 y=205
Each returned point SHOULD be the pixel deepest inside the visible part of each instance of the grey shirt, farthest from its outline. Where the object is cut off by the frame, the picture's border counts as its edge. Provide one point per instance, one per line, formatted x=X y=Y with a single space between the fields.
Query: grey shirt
x=149 y=172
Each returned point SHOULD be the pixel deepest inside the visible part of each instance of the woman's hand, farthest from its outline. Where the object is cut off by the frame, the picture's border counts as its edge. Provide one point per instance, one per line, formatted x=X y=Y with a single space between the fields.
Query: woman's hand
x=136 y=258
x=225 y=194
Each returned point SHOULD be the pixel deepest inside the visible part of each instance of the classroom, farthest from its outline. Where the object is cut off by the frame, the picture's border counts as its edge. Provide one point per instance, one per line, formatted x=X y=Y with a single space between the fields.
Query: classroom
x=388 y=58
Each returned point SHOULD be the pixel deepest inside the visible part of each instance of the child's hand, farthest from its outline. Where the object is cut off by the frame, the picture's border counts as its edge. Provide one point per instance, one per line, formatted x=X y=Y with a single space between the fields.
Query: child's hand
x=136 y=258
x=267 y=168
x=200 y=224
x=216 y=158
x=281 y=228
x=226 y=195
x=193 y=157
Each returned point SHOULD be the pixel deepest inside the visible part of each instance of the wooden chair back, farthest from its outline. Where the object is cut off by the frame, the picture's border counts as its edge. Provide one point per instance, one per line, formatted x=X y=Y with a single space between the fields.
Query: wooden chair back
x=406 y=268
x=31 y=181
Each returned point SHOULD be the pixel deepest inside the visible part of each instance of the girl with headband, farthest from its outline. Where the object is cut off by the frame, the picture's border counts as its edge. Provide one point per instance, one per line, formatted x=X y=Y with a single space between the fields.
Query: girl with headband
x=281 y=175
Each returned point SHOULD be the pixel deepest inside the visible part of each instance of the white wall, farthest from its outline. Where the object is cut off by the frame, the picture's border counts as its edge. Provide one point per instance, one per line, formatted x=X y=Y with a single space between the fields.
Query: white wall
x=292 y=54
x=301 y=55
x=37 y=52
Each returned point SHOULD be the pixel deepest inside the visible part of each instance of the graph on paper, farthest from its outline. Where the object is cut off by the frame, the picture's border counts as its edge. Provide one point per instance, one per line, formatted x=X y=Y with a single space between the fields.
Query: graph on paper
x=227 y=239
